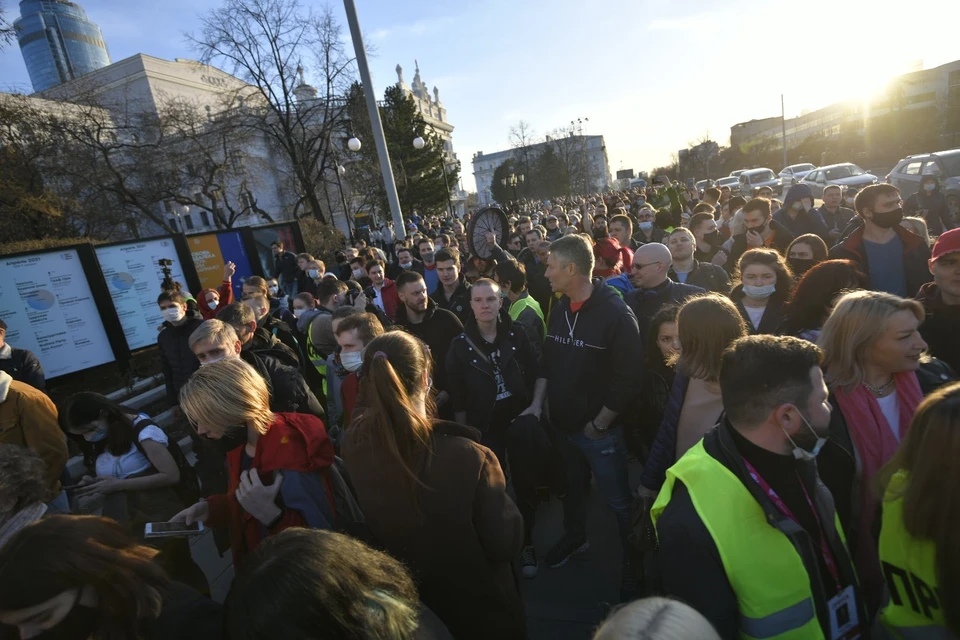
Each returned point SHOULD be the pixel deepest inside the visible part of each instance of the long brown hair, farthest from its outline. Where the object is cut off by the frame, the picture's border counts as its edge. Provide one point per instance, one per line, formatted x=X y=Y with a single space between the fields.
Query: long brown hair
x=72 y=552
x=707 y=325
x=931 y=499
x=394 y=368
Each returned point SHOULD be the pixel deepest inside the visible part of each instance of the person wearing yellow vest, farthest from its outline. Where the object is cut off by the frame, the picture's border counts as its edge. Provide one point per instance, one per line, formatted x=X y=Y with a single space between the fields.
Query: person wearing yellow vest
x=919 y=551
x=748 y=535
x=523 y=309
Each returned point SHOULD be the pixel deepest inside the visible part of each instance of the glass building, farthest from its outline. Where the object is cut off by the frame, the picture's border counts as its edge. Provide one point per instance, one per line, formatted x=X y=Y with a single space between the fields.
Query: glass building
x=58 y=42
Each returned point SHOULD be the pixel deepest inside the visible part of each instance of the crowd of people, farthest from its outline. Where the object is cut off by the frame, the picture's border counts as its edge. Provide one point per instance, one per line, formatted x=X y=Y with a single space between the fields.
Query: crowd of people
x=375 y=437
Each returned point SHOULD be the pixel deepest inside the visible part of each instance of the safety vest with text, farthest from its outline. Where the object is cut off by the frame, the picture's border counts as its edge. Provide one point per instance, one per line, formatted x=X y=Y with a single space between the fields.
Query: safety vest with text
x=912 y=608
x=768 y=576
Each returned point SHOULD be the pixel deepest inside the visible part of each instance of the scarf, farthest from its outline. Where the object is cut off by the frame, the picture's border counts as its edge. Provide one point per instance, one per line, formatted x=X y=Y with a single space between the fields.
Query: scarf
x=875 y=445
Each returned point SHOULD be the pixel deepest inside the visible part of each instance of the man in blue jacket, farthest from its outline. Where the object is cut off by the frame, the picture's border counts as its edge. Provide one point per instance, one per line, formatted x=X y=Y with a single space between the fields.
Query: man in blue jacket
x=591 y=360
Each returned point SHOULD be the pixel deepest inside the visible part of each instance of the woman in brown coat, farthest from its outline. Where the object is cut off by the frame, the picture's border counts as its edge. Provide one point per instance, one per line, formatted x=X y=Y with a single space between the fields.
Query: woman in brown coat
x=433 y=496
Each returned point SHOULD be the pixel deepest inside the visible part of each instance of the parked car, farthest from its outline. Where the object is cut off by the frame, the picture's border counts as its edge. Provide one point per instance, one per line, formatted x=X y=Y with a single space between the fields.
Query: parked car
x=795 y=173
x=844 y=175
x=730 y=181
x=752 y=180
x=945 y=164
x=701 y=186
x=736 y=174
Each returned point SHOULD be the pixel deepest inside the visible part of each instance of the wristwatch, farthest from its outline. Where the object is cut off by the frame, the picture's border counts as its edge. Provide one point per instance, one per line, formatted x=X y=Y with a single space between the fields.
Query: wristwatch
x=598 y=429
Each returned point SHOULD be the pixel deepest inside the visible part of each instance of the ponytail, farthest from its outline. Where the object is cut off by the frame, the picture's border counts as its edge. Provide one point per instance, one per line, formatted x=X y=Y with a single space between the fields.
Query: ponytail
x=389 y=418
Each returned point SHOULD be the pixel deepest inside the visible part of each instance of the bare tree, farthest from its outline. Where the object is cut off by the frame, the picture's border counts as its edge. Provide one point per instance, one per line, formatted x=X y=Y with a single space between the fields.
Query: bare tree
x=7 y=32
x=522 y=139
x=268 y=44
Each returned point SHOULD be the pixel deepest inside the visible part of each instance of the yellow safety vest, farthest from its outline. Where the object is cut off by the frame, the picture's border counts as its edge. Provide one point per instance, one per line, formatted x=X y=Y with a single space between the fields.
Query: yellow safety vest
x=527 y=303
x=316 y=359
x=909 y=564
x=766 y=572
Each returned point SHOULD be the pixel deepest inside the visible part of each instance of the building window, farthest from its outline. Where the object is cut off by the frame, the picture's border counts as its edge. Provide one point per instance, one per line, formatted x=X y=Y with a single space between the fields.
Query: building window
x=188 y=221
x=204 y=219
x=173 y=224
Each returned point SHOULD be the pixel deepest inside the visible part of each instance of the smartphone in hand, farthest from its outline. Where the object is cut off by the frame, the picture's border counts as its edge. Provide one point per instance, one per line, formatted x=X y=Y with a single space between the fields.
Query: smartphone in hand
x=172 y=529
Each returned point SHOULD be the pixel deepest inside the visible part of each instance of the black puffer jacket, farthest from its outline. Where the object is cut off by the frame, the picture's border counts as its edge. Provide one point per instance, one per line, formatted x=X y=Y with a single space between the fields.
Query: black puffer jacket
x=289 y=392
x=470 y=374
x=932 y=207
x=23 y=365
x=176 y=358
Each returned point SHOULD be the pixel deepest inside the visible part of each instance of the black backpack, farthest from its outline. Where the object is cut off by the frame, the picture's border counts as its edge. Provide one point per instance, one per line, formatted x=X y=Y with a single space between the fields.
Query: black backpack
x=188 y=488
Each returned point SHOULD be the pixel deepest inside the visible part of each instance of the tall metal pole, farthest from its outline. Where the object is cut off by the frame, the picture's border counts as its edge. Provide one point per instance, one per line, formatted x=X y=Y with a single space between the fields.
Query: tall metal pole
x=346 y=214
x=443 y=165
x=376 y=125
x=783 y=129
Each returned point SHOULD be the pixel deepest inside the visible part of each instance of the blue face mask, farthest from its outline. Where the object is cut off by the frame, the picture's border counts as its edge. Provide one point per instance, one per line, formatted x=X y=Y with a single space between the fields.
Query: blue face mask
x=96 y=435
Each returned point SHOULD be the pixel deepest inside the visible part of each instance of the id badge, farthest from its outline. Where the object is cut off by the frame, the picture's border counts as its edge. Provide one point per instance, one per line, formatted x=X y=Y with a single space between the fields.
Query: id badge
x=844 y=624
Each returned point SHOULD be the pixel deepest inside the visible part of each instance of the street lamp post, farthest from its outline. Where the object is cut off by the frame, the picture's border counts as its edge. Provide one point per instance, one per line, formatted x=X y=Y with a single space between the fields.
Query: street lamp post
x=511 y=181
x=418 y=144
x=376 y=124
x=346 y=214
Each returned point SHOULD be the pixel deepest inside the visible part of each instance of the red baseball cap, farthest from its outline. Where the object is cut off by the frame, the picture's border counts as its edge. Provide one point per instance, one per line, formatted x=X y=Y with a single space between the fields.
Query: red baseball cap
x=948 y=242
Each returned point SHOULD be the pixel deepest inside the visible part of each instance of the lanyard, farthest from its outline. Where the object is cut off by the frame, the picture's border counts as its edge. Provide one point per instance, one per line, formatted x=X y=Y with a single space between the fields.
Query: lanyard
x=828 y=558
x=573 y=326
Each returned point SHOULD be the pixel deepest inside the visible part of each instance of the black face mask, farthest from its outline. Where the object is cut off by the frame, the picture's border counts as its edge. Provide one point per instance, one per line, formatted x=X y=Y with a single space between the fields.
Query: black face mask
x=800 y=266
x=79 y=624
x=233 y=438
x=888 y=219
x=712 y=238
x=759 y=229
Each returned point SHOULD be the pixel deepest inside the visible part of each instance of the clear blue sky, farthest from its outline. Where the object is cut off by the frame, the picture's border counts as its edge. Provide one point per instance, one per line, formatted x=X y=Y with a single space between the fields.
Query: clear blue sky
x=650 y=76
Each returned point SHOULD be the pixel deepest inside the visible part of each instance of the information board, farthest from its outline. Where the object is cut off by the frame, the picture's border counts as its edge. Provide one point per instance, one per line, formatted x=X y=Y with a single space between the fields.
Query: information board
x=263 y=237
x=133 y=275
x=210 y=252
x=48 y=306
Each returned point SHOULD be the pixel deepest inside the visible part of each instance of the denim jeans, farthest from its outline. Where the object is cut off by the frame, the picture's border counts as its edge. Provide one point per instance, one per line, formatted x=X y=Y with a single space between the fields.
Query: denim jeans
x=607 y=458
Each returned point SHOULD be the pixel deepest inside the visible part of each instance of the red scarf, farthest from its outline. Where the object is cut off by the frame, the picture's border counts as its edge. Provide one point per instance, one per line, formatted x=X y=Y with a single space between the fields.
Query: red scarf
x=875 y=444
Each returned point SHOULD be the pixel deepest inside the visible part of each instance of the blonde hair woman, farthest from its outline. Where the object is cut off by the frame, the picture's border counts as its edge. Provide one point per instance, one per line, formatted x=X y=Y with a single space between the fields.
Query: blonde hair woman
x=659 y=618
x=877 y=372
x=228 y=402
x=917 y=225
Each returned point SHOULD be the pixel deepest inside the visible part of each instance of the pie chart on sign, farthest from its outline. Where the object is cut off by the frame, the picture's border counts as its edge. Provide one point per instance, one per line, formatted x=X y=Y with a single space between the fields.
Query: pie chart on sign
x=41 y=300
x=122 y=281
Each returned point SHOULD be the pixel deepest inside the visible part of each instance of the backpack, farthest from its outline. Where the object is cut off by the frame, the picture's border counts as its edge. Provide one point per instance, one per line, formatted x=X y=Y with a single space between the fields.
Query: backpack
x=188 y=488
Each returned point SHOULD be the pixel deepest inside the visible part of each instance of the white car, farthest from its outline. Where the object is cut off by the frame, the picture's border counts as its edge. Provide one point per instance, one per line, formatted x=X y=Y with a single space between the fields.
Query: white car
x=795 y=173
x=845 y=175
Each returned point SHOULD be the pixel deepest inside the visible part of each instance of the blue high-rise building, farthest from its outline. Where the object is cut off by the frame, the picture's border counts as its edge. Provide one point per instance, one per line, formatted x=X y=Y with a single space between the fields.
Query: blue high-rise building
x=58 y=42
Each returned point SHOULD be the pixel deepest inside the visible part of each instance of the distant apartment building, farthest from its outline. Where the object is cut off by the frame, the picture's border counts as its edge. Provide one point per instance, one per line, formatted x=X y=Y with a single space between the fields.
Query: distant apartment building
x=593 y=149
x=58 y=42
x=937 y=87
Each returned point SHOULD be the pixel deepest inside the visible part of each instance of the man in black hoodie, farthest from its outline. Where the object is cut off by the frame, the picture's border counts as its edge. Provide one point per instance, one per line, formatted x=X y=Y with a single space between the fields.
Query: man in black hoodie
x=420 y=316
x=452 y=292
x=928 y=203
x=592 y=361
x=176 y=358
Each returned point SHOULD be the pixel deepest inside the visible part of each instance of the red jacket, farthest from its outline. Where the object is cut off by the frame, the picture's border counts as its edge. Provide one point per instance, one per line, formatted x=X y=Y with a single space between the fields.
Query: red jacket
x=226 y=297
x=295 y=442
x=391 y=300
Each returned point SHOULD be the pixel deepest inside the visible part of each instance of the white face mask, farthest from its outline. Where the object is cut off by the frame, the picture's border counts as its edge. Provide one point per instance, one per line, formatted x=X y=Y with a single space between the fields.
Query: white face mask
x=273 y=290
x=313 y=273
x=203 y=364
x=799 y=452
x=929 y=187
x=850 y=201
x=759 y=293
x=646 y=225
x=358 y=273
x=213 y=305
x=173 y=314
x=406 y=265
x=352 y=361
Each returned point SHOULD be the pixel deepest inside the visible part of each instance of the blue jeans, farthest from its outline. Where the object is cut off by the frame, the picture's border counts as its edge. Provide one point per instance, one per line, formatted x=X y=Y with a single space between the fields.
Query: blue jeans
x=607 y=458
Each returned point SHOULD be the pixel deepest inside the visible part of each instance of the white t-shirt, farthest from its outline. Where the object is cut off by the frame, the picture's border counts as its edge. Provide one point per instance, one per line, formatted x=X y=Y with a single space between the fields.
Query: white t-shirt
x=756 y=314
x=133 y=461
x=890 y=406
